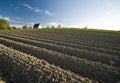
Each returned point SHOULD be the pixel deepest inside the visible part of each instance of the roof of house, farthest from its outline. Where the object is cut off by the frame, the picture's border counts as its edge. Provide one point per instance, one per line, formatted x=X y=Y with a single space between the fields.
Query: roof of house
x=36 y=25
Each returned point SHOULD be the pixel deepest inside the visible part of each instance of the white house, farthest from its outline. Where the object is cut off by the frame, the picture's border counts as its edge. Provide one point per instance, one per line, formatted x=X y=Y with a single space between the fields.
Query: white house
x=37 y=26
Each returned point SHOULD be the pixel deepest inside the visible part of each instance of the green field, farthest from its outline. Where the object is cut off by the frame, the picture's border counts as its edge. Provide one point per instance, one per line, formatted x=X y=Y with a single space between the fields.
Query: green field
x=82 y=29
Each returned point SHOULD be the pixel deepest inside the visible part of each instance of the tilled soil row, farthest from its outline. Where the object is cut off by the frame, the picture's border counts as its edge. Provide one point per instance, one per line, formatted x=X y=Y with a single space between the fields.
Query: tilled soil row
x=80 y=53
x=18 y=67
x=73 y=45
x=94 y=70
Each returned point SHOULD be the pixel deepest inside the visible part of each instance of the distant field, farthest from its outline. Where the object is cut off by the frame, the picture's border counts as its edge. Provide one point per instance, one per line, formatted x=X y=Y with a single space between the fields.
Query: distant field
x=82 y=29
x=60 y=55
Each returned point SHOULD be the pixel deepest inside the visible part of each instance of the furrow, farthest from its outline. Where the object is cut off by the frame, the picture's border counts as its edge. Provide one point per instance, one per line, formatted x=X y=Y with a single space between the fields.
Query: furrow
x=18 y=67
x=80 y=53
x=83 y=67
x=86 y=47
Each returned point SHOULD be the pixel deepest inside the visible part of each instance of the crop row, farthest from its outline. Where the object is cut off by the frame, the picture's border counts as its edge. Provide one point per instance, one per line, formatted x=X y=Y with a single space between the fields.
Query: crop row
x=94 y=70
x=2 y=80
x=90 y=38
x=18 y=67
x=81 y=42
x=76 y=38
x=77 y=35
x=75 y=41
x=80 y=53
x=112 y=52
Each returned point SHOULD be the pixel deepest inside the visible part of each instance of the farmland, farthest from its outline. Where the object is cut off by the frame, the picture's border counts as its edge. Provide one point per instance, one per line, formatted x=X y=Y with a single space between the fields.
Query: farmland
x=60 y=56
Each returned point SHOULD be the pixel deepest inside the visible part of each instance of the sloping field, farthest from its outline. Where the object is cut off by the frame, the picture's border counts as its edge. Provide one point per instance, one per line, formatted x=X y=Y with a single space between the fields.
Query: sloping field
x=21 y=68
x=83 y=56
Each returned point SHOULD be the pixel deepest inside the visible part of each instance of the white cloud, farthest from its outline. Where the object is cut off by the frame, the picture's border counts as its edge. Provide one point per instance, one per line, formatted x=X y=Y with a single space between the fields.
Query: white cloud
x=31 y=23
x=18 y=26
x=54 y=23
x=32 y=8
x=7 y=18
x=18 y=18
x=72 y=25
x=36 y=10
x=11 y=20
x=20 y=22
x=16 y=21
x=49 y=13
x=28 y=6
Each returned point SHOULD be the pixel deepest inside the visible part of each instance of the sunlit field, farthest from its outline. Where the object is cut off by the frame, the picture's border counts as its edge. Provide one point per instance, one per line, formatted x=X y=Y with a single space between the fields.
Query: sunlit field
x=55 y=55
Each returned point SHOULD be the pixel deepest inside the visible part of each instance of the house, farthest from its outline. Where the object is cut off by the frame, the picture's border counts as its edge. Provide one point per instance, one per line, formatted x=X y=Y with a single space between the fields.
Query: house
x=37 y=26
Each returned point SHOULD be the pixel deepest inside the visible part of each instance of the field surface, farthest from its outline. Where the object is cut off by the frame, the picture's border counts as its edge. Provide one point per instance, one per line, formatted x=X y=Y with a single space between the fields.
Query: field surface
x=59 y=56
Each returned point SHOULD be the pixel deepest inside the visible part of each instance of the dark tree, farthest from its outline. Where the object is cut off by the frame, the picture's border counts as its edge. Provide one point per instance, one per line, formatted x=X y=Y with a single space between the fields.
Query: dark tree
x=52 y=27
x=47 y=27
x=59 y=25
x=4 y=24
x=25 y=27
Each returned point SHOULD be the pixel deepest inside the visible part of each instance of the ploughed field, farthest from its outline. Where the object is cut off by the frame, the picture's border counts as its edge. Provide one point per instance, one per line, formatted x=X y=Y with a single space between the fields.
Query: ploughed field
x=58 y=56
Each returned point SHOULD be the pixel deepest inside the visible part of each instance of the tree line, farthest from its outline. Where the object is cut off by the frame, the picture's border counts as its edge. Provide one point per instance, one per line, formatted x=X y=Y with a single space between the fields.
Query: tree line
x=5 y=25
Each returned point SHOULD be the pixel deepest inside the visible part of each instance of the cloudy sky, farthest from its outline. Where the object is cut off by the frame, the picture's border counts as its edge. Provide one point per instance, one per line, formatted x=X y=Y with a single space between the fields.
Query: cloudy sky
x=99 y=14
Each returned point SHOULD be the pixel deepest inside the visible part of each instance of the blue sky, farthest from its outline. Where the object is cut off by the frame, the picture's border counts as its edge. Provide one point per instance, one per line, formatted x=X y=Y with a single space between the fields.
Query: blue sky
x=99 y=14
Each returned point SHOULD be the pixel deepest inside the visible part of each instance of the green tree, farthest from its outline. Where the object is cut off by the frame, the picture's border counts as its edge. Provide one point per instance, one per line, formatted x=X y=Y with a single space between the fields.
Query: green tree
x=59 y=26
x=13 y=27
x=4 y=24
x=9 y=28
x=47 y=27
x=30 y=27
x=25 y=27
x=52 y=27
